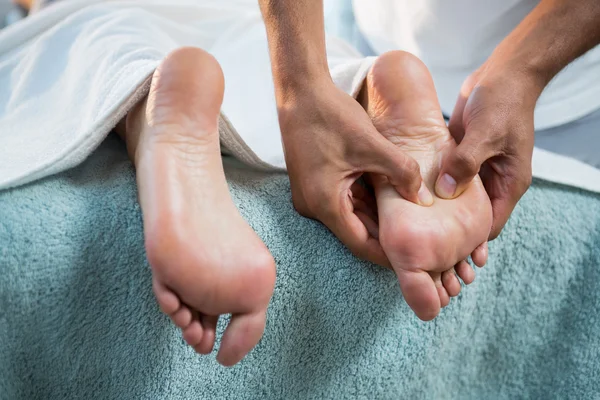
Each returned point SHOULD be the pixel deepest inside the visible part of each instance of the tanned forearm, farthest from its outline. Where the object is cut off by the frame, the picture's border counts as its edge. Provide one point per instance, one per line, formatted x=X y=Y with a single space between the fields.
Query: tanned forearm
x=296 y=34
x=554 y=34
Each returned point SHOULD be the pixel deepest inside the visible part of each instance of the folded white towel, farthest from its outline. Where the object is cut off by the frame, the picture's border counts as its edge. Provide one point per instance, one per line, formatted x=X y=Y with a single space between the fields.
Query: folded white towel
x=71 y=72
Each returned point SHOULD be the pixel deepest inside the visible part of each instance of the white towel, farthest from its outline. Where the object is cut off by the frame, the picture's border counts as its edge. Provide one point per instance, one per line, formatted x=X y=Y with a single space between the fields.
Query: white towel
x=71 y=72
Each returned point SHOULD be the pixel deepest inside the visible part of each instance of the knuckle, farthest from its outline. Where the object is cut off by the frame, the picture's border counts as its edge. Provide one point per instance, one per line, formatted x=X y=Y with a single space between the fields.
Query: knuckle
x=525 y=182
x=467 y=161
x=407 y=170
x=410 y=167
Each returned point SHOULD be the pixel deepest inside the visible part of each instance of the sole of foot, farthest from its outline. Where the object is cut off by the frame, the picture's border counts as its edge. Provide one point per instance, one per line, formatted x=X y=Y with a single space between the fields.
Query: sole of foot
x=427 y=246
x=206 y=260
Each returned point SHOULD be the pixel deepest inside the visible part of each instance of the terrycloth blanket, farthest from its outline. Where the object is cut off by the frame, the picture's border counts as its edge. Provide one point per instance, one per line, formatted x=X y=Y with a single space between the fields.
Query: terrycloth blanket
x=78 y=318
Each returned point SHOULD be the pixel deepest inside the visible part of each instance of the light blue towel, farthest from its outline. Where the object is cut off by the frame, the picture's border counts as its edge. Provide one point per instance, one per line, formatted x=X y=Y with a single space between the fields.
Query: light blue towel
x=78 y=318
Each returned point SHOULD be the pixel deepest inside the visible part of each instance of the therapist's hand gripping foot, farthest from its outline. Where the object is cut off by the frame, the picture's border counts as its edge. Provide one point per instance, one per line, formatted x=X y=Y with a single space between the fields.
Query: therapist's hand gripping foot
x=206 y=261
x=329 y=139
x=423 y=243
x=493 y=117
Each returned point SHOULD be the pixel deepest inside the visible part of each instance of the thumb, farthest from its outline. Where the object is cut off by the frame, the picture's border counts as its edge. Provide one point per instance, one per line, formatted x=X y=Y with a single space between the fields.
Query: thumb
x=461 y=165
x=402 y=171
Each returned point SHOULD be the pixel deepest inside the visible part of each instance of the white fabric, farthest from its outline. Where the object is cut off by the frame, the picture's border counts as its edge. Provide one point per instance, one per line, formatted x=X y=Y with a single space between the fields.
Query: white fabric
x=70 y=73
x=455 y=37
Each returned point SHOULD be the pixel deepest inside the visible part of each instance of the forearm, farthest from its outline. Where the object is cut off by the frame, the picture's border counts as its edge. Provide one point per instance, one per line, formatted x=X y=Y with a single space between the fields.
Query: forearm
x=296 y=34
x=554 y=34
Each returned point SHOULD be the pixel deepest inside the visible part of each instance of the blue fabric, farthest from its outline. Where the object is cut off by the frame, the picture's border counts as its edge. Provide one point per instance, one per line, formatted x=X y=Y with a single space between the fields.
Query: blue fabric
x=78 y=319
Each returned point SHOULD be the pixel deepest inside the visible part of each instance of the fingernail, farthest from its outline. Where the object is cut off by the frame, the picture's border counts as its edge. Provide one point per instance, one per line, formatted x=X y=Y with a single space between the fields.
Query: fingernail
x=446 y=187
x=425 y=197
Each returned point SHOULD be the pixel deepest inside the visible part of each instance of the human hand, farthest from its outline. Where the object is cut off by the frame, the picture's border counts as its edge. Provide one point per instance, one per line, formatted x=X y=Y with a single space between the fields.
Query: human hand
x=493 y=124
x=329 y=142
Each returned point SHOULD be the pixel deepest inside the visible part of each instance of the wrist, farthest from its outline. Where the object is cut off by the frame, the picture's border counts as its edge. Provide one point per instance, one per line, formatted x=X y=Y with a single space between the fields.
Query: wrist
x=294 y=84
x=517 y=75
x=300 y=87
x=304 y=105
x=550 y=37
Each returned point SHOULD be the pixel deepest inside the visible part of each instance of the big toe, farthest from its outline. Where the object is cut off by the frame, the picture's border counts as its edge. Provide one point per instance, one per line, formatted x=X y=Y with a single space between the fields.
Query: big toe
x=420 y=293
x=242 y=334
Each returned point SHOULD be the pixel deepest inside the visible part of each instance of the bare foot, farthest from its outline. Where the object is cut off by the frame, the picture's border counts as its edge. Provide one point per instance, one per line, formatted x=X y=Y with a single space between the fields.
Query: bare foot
x=423 y=244
x=206 y=260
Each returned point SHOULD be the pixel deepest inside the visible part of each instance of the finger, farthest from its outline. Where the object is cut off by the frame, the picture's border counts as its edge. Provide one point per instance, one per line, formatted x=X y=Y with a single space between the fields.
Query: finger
x=348 y=227
x=480 y=255
x=209 y=324
x=369 y=223
x=364 y=203
x=355 y=235
x=462 y=164
x=501 y=210
x=403 y=171
x=365 y=198
x=465 y=272
x=365 y=208
x=505 y=191
x=456 y=125
x=241 y=335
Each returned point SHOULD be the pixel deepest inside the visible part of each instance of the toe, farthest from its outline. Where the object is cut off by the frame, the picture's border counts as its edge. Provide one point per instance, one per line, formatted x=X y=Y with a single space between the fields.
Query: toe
x=480 y=255
x=451 y=282
x=420 y=293
x=193 y=333
x=444 y=298
x=182 y=317
x=242 y=334
x=209 y=324
x=167 y=300
x=465 y=272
